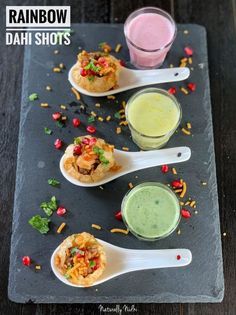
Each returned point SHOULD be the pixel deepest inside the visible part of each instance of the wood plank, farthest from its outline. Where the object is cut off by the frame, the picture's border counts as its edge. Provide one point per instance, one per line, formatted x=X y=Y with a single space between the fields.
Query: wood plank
x=219 y=21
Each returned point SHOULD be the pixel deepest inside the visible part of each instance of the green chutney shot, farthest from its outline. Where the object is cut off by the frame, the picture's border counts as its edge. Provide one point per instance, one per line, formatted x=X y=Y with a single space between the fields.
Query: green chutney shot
x=151 y=211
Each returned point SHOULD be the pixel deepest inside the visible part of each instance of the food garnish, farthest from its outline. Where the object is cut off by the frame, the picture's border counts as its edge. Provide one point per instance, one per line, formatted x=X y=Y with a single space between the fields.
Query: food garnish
x=105 y=47
x=56 y=116
x=185 y=91
x=61 y=211
x=44 y=105
x=56 y=69
x=115 y=230
x=50 y=206
x=76 y=122
x=186 y=132
x=58 y=144
x=188 y=51
x=48 y=88
x=38 y=267
x=172 y=90
x=40 y=224
x=125 y=148
x=178 y=257
x=53 y=182
x=174 y=171
x=61 y=227
x=118 y=48
x=91 y=129
x=77 y=95
x=26 y=261
x=164 y=168
x=47 y=131
x=191 y=86
x=118 y=216
x=185 y=213
x=96 y=226
x=33 y=97
x=81 y=259
x=130 y=185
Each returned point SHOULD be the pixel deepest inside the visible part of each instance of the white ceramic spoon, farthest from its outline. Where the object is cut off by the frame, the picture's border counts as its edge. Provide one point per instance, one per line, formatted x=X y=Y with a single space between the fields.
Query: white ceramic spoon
x=133 y=161
x=130 y=79
x=122 y=260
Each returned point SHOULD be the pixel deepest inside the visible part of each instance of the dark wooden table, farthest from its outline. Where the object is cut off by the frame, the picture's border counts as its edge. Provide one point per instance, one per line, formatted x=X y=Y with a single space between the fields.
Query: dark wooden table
x=219 y=18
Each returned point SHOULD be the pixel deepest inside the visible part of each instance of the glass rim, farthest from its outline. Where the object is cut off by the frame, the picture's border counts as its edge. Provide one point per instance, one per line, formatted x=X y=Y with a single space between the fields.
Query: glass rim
x=131 y=16
x=157 y=90
x=139 y=236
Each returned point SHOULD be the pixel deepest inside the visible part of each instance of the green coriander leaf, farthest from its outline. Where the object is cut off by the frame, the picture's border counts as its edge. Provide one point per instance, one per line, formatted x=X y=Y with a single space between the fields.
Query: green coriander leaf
x=47 y=131
x=40 y=224
x=117 y=115
x=103 y=159
x=100 y=45
x=92 y=263
x=67 y=276
x=74 y=250
x=91 y=119
x=91 y=78
x=33 y=97
x=77 y=140
x=53 y=182
x=50 y=206
x=60 y=124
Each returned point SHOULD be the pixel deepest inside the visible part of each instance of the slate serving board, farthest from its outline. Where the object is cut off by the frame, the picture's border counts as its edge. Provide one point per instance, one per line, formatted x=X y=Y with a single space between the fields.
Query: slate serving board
x=202 y=281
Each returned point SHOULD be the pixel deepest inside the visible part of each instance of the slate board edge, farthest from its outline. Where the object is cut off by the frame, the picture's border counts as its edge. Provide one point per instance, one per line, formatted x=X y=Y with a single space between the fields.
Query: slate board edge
x=171 y=298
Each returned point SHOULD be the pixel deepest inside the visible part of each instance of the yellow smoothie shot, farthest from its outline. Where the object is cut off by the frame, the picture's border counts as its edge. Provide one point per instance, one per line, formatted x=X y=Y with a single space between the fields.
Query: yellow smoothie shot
x=153 y=116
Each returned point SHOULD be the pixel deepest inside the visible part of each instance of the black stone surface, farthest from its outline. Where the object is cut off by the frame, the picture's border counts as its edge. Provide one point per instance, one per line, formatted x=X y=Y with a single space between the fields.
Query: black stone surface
x=202 y=281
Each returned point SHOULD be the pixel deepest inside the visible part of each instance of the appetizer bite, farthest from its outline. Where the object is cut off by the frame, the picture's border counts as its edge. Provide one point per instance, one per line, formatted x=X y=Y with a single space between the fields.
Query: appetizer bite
x=89 y=159
x=96 y=71
x=81 y=259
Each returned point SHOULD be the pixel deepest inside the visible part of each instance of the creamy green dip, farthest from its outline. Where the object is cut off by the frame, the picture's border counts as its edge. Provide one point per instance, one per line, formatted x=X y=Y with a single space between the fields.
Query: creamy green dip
x=151 y=210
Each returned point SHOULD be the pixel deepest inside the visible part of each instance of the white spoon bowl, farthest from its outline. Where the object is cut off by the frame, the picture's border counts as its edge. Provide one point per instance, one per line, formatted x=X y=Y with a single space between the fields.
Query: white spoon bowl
x=121 y=260
x=130 y=79
x=133 y=161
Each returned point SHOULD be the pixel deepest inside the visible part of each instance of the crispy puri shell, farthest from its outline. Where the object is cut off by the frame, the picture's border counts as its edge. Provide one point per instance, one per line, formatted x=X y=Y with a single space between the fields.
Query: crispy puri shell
x=98 y=84
x=84 y=240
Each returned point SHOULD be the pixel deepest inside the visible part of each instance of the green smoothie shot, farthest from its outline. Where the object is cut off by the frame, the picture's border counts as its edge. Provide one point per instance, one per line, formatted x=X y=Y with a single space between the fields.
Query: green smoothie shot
x=153 y=116
x=151 y=211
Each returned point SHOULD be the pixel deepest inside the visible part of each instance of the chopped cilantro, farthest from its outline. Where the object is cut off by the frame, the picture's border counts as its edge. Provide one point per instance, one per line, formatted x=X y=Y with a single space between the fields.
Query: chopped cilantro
x=100 y=153
x=60 y=124
x=91 y=119
x=47 y=131
x=33 y=97
x=50 y=206
x=91 y=78
x=91 y=66
x=53 y=182
x=100 y=45
x=117 y=115
x=40 y=224
x=92 y=263
x=77 y=140
x=67 y=276
x=74 y=250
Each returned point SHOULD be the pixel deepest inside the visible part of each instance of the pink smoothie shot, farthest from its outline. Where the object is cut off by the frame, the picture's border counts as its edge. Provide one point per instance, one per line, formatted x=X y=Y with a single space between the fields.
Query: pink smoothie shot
x=151 y=32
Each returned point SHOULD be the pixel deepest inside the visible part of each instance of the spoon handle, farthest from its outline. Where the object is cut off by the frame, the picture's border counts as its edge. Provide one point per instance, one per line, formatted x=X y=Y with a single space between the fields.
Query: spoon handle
x=162 y=258
x=147 y=159
x=146 y=77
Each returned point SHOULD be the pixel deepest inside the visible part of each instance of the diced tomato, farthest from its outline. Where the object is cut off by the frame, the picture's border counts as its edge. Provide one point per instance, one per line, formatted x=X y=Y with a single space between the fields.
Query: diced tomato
x=118 y=216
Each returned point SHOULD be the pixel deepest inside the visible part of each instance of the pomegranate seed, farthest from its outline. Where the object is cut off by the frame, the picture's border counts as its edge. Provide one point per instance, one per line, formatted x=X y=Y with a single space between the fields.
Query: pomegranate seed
x=61 y=211
x=85 y=141
x=92 y=141
x=176 y=184
x=178 y=257
x=188 y=51
x=79 y=255
x=91 y=129
x=58 y=144
x=172 y=90
x=165 y=168
x=186 y=213
x=77 y=149
x=76 y=122
x=26 y=260
x=122 y=63
x=192 y=87
x=118 y=216
x=83 y=72
x=56 y=116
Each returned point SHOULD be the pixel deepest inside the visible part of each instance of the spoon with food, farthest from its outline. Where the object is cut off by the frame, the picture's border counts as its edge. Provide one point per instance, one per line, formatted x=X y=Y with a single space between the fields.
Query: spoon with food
x=83 y=261
x=101 y=74
x=90 y=161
